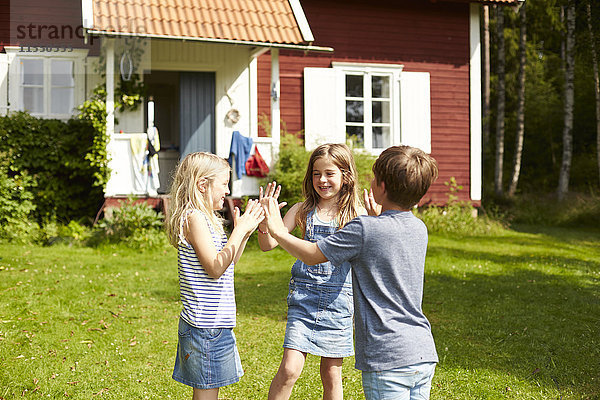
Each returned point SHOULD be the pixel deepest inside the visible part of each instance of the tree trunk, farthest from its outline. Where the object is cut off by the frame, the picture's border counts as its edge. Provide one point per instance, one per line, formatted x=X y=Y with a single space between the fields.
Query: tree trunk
x=520 y=103
x=501 y=93
x=596 y=81
x=486 y=77
x=567 y=153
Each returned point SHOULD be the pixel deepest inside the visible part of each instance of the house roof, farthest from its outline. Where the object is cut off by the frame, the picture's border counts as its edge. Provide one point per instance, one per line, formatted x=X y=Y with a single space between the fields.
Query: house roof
x=276 y=23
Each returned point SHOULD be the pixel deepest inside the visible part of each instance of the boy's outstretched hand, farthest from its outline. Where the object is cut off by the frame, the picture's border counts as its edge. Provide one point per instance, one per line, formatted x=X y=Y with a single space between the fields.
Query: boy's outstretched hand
x=372 y=207
x=273 y=216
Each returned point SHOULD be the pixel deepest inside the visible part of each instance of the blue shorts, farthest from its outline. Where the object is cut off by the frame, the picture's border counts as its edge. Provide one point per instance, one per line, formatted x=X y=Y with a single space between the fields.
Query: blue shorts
x=206 y=358
x=411 y=382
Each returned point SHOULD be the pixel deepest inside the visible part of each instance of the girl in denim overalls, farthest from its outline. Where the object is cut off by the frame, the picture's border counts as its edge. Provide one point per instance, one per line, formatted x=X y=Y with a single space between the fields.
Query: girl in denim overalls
x=320 y=306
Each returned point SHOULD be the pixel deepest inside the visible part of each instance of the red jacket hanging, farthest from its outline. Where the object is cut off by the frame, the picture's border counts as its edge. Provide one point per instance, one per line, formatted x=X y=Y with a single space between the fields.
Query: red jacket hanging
x=256 y=165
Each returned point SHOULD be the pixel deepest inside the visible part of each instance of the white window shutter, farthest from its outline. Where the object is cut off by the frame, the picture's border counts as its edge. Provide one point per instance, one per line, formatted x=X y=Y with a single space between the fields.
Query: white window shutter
x=323 y=112
x=3 y=84
x=415 y=110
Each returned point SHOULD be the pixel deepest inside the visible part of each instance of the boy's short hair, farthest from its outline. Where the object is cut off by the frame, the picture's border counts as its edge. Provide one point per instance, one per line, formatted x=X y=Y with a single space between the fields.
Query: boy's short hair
x=407 y=173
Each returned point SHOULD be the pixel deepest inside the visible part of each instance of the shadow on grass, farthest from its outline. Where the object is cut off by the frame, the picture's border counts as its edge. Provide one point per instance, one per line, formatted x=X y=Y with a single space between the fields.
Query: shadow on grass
x=507 y=259
x=523 y=323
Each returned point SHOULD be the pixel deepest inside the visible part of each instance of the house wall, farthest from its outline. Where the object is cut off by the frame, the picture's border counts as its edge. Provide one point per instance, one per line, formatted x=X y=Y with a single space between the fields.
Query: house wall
x=36 y=23
x=423 y=36
x=4 y=24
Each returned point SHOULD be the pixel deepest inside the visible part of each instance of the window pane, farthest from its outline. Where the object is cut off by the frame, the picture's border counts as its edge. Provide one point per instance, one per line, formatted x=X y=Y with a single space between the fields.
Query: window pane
x=356 y=134
x=62 y=73
x=354 y=86
x=380 y=87
x=381 y=137
x=61 y=101
x=381 y=112
x=354 y=111
x=33 y=72
x=33 y=99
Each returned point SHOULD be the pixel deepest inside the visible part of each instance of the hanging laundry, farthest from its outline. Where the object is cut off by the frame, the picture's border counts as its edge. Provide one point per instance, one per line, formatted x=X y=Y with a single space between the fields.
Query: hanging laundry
x=152 y=159
x=138 y=144
x=256 y=165
x=239 y=152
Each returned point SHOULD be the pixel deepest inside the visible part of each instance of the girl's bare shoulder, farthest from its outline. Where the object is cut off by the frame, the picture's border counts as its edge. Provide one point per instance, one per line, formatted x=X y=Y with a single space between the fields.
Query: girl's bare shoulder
x=294 y=209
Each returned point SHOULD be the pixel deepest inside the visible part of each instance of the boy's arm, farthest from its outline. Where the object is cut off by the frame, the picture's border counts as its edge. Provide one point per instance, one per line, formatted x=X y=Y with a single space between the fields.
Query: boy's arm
x=307 y=252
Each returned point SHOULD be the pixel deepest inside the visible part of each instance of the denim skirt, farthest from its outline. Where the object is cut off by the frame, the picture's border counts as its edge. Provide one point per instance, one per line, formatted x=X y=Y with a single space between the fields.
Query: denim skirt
x=319 y=320
x=207 y=358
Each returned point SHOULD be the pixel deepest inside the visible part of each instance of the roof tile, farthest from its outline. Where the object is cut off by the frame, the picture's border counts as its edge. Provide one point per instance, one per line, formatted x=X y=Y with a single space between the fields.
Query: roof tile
x=247 y=20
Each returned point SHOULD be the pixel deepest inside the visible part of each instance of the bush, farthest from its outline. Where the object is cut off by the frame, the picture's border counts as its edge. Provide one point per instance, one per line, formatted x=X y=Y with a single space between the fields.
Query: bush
x=577 y=210
x=62 y=160
x=52 y=233
x=135 y=224
x=16 y=202
x=458 y=217
x=289 y=169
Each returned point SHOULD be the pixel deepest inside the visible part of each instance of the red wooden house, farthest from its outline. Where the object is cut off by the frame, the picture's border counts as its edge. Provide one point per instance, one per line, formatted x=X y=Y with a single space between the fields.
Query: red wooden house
x=401 y=72
x=374 y=74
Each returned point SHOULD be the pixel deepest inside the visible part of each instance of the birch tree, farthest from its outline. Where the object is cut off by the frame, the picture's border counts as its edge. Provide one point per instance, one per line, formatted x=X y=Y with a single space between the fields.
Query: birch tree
x=486 y=77
x=501 y=94
x=569 y=94
x=520 y=102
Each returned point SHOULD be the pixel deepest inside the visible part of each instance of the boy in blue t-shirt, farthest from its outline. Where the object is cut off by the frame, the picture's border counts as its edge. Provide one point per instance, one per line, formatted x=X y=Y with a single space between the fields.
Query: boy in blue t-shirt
x=394 y=346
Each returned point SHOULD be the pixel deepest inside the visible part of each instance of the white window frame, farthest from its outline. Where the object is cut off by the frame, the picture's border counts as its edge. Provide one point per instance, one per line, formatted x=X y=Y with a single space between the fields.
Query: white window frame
x=368 y=70
x=325 y=105
x=77 y=56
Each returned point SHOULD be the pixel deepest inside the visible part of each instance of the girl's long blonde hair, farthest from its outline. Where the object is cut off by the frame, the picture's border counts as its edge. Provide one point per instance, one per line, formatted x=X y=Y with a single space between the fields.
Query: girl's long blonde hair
x=349 y=200
x=195 y=169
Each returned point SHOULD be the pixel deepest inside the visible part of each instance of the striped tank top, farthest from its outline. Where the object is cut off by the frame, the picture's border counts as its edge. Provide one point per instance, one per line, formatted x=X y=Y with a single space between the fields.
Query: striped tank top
x=207 y=302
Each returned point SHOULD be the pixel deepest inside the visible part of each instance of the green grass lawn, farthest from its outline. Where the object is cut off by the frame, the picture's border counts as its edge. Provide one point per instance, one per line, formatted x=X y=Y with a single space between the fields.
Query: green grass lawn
x=514 y=316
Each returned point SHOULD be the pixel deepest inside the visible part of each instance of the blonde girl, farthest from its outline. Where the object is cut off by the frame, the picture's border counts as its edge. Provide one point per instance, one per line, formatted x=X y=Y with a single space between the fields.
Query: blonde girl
x=207 y=355
x=320 y=308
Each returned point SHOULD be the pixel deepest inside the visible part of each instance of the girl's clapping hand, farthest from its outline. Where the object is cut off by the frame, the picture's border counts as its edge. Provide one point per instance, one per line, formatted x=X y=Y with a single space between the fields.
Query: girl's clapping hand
x=273 y=216
x=273 y=191
x=251 y=218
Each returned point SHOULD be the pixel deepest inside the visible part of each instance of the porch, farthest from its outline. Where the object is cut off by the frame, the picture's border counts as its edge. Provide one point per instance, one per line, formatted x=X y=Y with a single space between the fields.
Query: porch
x=196 y=80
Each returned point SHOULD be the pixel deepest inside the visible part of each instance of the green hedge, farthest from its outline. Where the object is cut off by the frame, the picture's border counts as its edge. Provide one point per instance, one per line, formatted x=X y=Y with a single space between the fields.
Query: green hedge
x=61 y=158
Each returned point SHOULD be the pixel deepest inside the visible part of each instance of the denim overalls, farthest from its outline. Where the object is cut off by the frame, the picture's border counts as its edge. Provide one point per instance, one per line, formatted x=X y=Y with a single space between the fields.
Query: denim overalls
x=320 y=304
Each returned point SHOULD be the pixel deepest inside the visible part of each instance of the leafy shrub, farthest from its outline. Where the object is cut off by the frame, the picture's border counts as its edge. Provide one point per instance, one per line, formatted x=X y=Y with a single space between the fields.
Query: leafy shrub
x=57 y=156
x=16 y=202
x=458 y=217
x=364 y=169
x=290 y=168
x=135 y=224
x=581 y=210
x=93 y=112
x=52 y=233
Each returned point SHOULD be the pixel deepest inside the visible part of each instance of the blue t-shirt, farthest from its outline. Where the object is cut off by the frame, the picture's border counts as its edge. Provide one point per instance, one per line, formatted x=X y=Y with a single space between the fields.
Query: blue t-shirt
x=387 y=255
